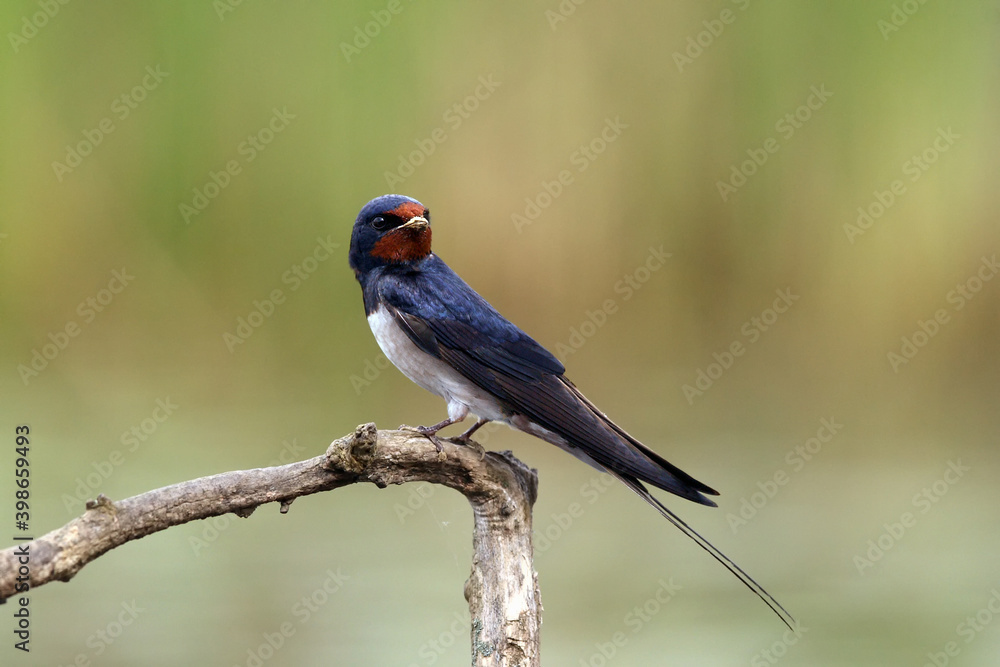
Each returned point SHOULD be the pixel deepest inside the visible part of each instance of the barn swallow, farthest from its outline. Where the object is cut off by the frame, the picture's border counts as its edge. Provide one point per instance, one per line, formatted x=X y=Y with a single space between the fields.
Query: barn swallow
x=446 y=338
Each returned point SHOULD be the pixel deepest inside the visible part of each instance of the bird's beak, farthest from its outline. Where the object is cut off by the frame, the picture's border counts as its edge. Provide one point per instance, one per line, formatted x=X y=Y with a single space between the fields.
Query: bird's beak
x=417 y=222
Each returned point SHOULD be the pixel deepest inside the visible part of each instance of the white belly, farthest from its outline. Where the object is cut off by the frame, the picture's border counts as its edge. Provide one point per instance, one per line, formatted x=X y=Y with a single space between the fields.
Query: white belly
x=462 y=395
x=437 y=377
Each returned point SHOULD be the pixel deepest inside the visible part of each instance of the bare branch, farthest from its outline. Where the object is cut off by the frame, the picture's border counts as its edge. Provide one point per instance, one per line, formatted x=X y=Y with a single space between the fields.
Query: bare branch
x=502 y=589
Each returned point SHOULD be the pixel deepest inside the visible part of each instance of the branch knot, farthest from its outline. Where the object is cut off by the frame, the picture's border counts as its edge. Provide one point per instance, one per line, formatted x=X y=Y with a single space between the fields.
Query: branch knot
x=102 y=504
x=353 y=453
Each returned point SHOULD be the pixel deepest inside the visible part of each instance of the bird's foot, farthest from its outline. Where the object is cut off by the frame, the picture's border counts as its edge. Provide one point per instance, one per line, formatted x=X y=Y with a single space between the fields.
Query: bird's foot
x=429 y=432
x=466 y=438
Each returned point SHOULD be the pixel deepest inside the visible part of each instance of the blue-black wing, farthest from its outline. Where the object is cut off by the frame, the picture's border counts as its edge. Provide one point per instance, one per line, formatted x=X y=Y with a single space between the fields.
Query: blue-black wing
x=446 y=318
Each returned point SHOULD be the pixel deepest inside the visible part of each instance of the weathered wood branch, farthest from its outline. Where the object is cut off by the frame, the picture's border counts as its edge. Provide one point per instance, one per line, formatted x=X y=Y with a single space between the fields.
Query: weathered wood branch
x=502 y=590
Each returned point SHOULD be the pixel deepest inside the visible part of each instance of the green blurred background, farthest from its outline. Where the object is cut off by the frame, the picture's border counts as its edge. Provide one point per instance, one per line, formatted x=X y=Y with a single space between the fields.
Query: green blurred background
x=691 y=88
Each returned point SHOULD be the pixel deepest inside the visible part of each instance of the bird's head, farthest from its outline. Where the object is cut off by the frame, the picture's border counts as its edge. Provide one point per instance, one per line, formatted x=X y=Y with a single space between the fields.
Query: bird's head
x=391 y=229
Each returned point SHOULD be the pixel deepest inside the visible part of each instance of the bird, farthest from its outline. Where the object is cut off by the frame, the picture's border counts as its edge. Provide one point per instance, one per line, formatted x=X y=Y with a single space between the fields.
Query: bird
x=446 y=338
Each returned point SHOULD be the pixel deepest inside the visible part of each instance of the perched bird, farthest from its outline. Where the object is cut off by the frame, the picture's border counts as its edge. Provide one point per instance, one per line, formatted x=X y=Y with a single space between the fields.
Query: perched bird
x=446 y=338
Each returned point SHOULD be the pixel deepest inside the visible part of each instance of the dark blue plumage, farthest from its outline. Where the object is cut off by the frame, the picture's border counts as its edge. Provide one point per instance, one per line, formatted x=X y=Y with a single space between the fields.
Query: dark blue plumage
x=445 y=337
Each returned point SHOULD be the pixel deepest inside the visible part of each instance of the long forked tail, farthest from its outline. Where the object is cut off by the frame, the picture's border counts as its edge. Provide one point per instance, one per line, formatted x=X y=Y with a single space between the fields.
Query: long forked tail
x=747 y=580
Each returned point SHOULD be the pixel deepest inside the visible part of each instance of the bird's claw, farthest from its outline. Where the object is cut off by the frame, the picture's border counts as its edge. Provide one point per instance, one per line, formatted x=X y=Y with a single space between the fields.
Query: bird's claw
x=431 y=434
x=427 y=432
x=437 y=444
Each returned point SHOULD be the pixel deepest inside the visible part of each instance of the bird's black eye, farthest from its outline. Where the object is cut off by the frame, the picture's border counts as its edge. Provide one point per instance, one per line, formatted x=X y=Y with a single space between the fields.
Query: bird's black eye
x=379 y=223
